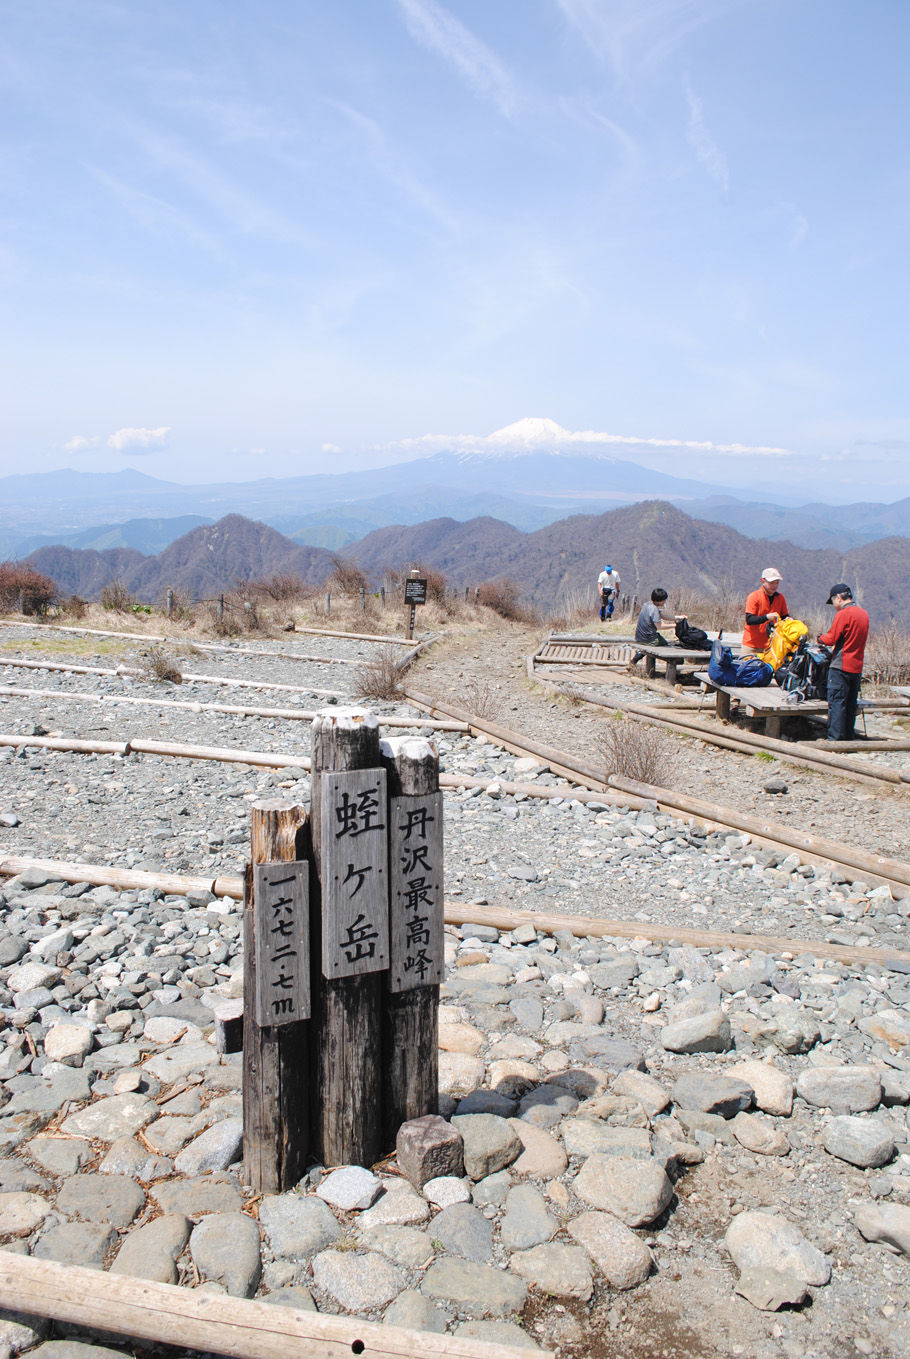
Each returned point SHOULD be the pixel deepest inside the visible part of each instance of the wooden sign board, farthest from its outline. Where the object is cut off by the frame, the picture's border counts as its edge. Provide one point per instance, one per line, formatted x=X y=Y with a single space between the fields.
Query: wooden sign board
x=415 y=592
x=355 y=909
x=281 y=895
x=415 y=917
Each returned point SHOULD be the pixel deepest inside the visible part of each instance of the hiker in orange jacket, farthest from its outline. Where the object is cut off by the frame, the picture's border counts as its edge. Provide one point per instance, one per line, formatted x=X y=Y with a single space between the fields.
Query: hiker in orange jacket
x=765 y=605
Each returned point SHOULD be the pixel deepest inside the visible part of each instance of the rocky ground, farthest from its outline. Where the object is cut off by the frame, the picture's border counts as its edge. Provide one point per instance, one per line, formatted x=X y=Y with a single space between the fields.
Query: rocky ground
x=672 y=1150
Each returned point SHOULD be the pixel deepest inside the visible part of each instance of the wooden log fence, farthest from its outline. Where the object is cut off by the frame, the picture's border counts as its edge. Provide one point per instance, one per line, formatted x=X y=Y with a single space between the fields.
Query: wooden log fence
x=189 y=1319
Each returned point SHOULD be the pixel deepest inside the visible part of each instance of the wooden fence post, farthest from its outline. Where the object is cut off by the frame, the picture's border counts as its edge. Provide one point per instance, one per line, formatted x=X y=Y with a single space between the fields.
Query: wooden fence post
x=382 y=595
x=221 y=608
x=276 y=1084
x=349 y=924
x=170 y=603
x=328 y=604
x=410 y=1028
x=363 y=599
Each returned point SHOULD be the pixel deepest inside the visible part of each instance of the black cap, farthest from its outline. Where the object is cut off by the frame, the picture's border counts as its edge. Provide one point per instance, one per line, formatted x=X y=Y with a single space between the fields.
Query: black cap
x=842 y=588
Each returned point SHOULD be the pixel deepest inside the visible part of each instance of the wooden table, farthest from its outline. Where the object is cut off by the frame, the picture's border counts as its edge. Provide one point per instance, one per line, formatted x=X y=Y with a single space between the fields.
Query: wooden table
x=769 y=702
x=672 y=656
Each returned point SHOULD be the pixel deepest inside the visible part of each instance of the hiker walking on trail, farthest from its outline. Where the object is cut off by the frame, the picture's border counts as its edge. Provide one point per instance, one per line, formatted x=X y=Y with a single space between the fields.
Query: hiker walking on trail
x=847 y=635
x=607 y=591
x=765 y=605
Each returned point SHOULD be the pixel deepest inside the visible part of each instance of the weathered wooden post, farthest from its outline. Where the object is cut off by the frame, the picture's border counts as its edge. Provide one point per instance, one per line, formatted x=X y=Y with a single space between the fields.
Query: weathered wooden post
x=170 y=603
x=410 y=1028
x=349 y=826
x=328 y=604
x=276 y=986
x=221 y=608
x=415 y=592
x=382 y=595
x=363 y=599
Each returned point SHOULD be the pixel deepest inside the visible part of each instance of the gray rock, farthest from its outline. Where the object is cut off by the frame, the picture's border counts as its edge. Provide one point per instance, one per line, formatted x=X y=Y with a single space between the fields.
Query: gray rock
x=293 y=1295
x=404 y=1245
x=21 y=1213
x=559 y=1271
x=765 y=1241
x=769 y=1289
x=887 y=1222
x=108 y=1119
x=297 y=1227
x=180 y=1060
x=412 y=1311
x=19 y=1331
x=446 y=1190
x=487 y=1102
x=215 y=1149
x=194 y=1198
x=708 y=1032
x=77 y=1243
x=772 y=1087
x=712 y=1094
x=74 y=1349
x=350 y=1188
x=489 y=1144
x=464 y=1231
x=101 y=1198
x=526 y=1221
x=467 y=1285
x=636 y=1192
x=492 y=1192
x=649 y=1093
x=622 y=1258
x=358 y=1283
x=61 y=1155
x=796 y=1031
x=759 y=1135
x=843 y=1089
x=864 y=1142
x=588 y=1136
x=152 y=1251
x=225 y=1250
x=128 y=1157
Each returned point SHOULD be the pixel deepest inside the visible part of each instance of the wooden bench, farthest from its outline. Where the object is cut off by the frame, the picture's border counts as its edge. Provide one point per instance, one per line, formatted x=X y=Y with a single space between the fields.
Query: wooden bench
x=672 y=656
x=768 y=702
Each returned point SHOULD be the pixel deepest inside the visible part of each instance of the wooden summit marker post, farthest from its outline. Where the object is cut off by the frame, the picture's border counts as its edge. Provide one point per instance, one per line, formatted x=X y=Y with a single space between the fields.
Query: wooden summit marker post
x=349 y=819
x=415 y=592
x=276 y=1006
x=410 y=1031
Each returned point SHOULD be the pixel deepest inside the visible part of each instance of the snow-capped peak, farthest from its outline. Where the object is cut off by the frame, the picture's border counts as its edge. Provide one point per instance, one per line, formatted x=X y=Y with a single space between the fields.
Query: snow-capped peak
x=531 y=432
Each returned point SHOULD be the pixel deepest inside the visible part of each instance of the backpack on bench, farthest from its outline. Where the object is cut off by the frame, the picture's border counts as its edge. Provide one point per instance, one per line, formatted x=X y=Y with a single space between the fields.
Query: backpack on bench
x=749 y=673
x=693 y=639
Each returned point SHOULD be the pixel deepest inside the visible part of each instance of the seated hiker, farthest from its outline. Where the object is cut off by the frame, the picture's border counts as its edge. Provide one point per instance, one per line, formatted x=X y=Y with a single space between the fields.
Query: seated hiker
x=765 y=605
x=649 y=620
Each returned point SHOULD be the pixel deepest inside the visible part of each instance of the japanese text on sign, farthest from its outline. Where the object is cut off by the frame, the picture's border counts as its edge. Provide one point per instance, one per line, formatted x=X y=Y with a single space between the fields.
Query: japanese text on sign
x=282 y=941
x=416 y=910
x=354 y=826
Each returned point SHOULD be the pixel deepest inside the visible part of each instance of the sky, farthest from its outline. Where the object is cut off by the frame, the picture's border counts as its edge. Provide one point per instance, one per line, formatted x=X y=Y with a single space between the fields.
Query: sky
x=240 y=240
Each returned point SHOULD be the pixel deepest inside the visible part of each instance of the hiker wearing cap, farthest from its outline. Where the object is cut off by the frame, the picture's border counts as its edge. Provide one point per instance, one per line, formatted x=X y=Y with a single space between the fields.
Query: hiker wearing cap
x=847 y=636
x=765 y=605
x=607 y=591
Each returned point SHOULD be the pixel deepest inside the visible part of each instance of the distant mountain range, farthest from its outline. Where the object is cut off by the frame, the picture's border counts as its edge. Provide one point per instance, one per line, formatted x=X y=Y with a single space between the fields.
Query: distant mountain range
x=520 y=482
x=651 y=543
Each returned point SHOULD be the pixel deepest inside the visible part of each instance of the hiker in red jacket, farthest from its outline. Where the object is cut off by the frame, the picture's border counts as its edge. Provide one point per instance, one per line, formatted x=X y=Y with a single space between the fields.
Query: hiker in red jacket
x=847 y=635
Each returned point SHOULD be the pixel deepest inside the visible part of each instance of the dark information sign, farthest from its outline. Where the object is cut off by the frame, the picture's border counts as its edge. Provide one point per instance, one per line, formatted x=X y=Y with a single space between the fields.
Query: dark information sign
x=415 y=592
x=282 y=934
x=415 y=865
x=355 y=895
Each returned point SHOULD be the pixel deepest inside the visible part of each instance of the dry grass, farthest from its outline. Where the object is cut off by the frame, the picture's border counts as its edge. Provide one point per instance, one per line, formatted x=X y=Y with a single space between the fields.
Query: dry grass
x=480 y=699
x=160 y=665
x=381 y=676
x=636 y=750
x=116 y=598
x=888 y=656
x=503 y=597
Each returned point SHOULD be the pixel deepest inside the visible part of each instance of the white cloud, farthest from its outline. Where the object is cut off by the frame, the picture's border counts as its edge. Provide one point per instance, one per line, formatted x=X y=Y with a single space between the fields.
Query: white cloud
x=431 y=25
x=541 y=433
x=704 y=145
x=79 y=443
x=139 y=440
x=330 y=448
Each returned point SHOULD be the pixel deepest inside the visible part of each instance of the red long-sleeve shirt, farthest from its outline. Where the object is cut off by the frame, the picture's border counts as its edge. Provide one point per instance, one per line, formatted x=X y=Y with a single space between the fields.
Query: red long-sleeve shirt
x=847 y=635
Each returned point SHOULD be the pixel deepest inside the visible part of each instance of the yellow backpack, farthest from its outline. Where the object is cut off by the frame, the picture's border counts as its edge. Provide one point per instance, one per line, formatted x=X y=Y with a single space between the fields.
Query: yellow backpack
x=784 y=640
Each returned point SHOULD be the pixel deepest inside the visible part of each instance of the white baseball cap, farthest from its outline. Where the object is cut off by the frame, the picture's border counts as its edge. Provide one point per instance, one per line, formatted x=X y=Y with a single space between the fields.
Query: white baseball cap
x=770 y=573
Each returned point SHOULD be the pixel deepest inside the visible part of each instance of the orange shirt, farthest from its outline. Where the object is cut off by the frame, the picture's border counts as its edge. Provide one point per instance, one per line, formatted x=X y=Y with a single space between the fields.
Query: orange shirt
x=755 y=635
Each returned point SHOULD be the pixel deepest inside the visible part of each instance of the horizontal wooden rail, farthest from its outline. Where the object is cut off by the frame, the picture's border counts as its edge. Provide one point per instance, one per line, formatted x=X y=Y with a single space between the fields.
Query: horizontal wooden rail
x=208 y=646
x=457 y=913
x=216 y=1323
x=132 y=672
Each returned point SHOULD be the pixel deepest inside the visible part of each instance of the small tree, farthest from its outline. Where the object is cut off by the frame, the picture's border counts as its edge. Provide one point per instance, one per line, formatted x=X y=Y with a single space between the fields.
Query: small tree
x=24 y=589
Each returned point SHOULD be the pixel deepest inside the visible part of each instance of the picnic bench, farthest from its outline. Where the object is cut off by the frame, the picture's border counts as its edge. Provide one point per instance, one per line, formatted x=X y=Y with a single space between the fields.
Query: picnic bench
x=672 y=656
x=768 y=702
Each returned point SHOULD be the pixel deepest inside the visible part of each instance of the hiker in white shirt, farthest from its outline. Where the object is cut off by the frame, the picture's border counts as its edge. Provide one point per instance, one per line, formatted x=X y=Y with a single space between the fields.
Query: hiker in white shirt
x=608 y=591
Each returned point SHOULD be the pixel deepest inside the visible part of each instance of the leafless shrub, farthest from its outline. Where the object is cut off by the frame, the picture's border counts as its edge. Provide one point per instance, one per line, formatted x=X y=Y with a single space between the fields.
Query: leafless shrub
x=347 y=578
x=381 y=676
x=240 y=615
x=282 y=587
x=888 y=656
x=116 y=598
x=636 y=750
x=479 y=698
x=502 y=596
x=24 y=589
x=160 y=665
x=73 y=606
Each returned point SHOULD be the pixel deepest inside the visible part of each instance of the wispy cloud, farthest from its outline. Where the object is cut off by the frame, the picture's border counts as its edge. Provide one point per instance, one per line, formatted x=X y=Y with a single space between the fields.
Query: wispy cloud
x=704 y=145
x=156 y=215
x=431 y=25
x=547 y=434
x=800 y=231
x=389 y=163
x=630 y=35
x=139 y=440
x=80 y=443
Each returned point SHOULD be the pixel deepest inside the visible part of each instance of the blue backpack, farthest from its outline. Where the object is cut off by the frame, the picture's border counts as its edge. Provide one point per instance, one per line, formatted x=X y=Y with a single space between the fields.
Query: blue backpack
x=748 y=673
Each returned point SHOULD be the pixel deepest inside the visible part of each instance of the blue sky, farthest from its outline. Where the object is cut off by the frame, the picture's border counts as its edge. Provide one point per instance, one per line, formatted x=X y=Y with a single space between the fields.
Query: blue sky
x=240 y=240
